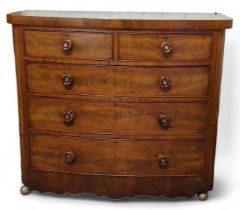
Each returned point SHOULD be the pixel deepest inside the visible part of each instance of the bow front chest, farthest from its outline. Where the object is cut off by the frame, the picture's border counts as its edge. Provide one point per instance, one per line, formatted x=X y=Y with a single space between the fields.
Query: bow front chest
x=118 y=104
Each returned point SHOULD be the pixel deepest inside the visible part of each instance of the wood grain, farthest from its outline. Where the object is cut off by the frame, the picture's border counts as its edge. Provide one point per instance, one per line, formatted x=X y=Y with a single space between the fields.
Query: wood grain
x=117 y=157
x=88 y=116
x=67 y=60
x=93 y=46
x=22 y=101
x=145 y=81
x=47 y=78
x=118 y=81
x=122 y=133
x=147 y=47
x=205 y=21
x=142 y=118
x=125 y=118
x=89 y=158
x=112 y=186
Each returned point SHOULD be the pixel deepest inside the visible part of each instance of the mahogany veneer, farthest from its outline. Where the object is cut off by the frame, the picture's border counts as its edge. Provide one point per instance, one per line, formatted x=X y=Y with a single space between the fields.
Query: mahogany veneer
x=118 y=104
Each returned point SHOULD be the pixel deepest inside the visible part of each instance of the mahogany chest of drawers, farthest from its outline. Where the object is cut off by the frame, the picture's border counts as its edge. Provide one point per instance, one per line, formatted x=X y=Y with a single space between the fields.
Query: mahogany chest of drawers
x=118 y=104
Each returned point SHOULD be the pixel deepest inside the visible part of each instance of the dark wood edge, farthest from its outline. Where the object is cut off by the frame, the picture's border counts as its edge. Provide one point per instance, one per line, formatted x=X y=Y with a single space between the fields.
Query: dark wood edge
x=17 y=19
x=121 y=99
x=214 y=103
x=113 y=185
x=207 y=64
x=119 y=31
x=117 y=175
x=117 y=97
x=22 y=98
x=117 y=62
x=117 y=136
x=68 y=30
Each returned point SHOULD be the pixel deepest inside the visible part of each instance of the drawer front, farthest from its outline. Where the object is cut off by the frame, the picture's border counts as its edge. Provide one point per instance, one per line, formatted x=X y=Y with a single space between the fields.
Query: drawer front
x=81 y=45
x=154 y=157
x=70 y=79
x=117 y=157
x=119 y=81
x=71 y=154
x=124 y=118
x=162 y=81
x=165 y=47
x=161 y=118
x=71 y=115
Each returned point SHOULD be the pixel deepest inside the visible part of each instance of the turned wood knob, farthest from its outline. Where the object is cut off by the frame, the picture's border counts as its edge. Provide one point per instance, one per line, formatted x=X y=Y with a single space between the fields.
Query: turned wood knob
x=68 y=117
x=164 y=121
x=165 y=83
x=67 y=81
x=68 y=157
x=166 y=49
x=66 y=45
x=162 y=161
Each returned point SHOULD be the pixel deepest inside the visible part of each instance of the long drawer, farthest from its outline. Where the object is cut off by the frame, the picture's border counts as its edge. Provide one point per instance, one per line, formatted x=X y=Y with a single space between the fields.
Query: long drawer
x=67 y=44
x=116 y=157
x=117 y=117
x=165 y=47
x=119 y=81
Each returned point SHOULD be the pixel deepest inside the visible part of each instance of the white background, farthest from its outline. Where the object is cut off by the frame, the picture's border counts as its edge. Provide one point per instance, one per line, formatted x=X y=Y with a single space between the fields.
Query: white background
x=226 y=193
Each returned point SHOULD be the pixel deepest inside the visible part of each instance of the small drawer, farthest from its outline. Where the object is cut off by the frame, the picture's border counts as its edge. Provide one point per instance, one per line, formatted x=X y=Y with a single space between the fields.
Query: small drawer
x=116 y=157
x=165 y=47
x=64 y=44
x=124 y=118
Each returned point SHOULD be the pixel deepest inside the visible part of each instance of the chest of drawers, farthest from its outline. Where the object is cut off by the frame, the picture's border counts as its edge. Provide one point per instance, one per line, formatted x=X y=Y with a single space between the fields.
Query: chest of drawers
x=118 y=104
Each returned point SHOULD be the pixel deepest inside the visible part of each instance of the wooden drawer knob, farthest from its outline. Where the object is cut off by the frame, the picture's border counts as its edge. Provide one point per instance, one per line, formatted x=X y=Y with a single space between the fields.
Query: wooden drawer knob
x=162 y=161
x=67 y=81
x=66 y=45
x=166 y=49
x=69 y=157
x=68 y=117
x=164 y=121
x=165 y=83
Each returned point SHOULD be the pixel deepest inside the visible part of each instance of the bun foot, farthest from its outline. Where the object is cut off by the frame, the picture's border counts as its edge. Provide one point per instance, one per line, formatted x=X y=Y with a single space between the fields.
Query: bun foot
x=25 y=190
x=202 y=196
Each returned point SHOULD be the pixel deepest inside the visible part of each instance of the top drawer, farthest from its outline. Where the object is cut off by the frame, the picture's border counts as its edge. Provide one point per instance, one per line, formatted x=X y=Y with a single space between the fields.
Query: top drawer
x=80 y=45
x=165 y=47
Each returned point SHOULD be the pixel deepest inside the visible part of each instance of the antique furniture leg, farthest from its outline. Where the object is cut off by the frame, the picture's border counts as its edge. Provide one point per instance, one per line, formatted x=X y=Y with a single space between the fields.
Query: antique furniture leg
x=202 y=196
x=25 y=190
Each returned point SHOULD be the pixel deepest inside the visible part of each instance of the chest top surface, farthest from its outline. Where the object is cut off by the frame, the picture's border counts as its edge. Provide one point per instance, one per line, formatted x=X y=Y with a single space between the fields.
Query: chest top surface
x=121 y=20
